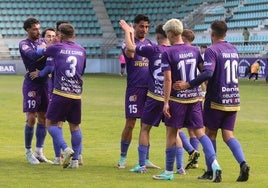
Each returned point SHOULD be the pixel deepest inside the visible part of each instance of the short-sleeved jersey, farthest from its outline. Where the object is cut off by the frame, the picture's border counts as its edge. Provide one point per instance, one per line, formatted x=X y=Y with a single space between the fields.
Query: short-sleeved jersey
x=156 y=78
x=137 y=67
x=222 y=89
x=182 y=61
x=70 y=63
x=31 y=59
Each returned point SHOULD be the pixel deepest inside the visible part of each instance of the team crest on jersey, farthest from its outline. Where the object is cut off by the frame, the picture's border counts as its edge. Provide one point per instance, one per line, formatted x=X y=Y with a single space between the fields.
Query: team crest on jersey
x=31 y=94
x=133 y=98
x=145 y=60
x=24 y=47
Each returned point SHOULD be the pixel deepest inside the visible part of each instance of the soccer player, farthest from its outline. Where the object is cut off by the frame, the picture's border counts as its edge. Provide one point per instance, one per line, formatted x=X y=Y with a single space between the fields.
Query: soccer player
x=188 y=37
x=137 y=86
x=122 y=64
x=35 y=92
x=49 y=35
x=202 y=50
x=254 y=70
x=65 y=104
x=182 y=108
x=152 y=112
x=222 y=99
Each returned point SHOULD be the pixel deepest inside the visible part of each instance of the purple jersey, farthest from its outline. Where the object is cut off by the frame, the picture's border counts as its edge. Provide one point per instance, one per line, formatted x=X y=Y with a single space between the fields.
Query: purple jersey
x=50 y=62
x=70 y=63
x=182 y=61
x=31 y=59
x=154 y=55
x=137 y=67
x=222 y=88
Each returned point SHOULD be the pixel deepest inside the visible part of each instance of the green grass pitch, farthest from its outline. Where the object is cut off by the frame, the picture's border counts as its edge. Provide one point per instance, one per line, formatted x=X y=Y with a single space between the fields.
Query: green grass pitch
x=102 y=123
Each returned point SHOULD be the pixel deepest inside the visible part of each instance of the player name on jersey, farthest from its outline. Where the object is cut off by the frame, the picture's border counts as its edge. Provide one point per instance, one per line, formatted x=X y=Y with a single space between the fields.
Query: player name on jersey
x=72 y=52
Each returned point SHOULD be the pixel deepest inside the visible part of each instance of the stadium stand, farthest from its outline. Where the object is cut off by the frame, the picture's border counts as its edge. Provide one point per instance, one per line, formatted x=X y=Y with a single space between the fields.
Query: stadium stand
x=251 y=14
x=98 y=31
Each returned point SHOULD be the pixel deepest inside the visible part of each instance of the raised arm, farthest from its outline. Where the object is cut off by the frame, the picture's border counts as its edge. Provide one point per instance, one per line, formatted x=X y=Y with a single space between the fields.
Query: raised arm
x=129 y=38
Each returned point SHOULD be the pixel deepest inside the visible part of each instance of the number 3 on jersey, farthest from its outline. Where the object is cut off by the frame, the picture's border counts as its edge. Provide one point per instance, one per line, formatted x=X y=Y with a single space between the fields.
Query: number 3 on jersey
x=72 y=60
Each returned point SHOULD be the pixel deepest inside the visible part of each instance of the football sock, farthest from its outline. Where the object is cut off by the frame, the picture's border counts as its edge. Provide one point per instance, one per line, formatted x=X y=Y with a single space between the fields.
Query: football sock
x=28 y=136
x=195 y=143
x=148 y=151
x=208 y=149
x=80 y=152
x=143 y=150
x=56 y=147
x=236 y=149
x=179 y=157
x=76 y=142
x=170 y=157
x=124 y=148
x=40 y=134
x=57 y=136
x=214 y=145
x=185 y=142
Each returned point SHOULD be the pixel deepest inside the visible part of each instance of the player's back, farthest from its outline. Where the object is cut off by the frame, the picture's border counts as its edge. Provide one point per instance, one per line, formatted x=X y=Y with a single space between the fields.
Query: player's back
x=182 y=60
x=154 y=54
x=70 y=62
x=222 y=87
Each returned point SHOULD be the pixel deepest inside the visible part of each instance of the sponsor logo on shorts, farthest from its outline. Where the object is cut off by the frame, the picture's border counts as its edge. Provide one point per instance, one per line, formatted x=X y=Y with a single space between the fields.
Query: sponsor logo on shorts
x=31 y=94
x=133 y=98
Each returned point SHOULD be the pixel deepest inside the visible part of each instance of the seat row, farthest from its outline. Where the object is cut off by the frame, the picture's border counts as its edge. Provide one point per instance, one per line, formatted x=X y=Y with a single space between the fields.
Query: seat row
x=31 y=5
x=231 y=25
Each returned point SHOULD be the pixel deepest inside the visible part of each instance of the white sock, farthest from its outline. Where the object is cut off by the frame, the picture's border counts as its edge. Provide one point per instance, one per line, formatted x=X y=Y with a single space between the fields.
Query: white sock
x=28 y=150
x=215 y=164
x=168 y=172
x=38 y=150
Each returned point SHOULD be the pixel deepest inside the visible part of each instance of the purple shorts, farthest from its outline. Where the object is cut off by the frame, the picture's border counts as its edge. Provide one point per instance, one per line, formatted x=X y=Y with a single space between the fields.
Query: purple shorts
x=185 y=115
x=217 y=119
x=152 y=112
x=62 y=109
x=35 y=96
x=134 y=102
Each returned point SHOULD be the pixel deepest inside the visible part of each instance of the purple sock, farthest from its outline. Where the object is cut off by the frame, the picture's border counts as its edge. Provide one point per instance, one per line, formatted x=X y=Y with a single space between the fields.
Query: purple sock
x=195 y=143
x=76 y=143
x=56 y=147
x=236 y=149
x=40 y=135
x=185 y=142
x=57 y=136
x=214 y=145
x=80 y=151
x=124 y=148
x=179 y=157
x=170 y=157
x=28 y=136
x=143 y=150
x=208 y=149
x=148 y=152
